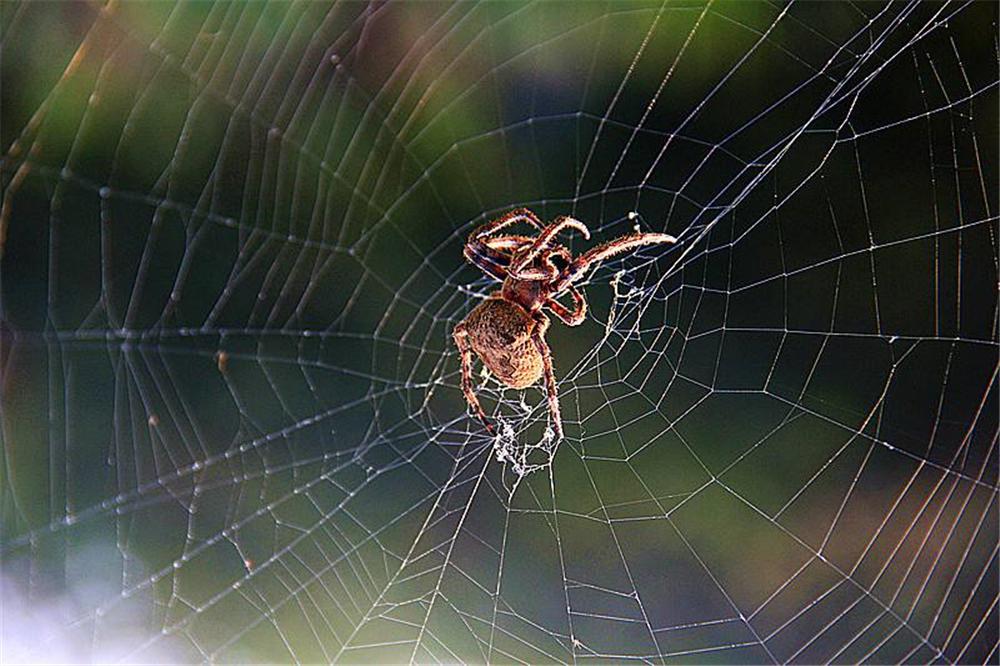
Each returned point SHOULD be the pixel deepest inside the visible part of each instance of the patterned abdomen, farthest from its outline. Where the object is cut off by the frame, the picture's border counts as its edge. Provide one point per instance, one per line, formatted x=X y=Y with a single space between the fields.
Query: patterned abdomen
x=500 y=334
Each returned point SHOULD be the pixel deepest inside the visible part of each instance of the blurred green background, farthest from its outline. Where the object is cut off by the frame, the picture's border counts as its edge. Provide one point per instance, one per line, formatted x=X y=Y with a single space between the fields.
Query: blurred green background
x=231 y=263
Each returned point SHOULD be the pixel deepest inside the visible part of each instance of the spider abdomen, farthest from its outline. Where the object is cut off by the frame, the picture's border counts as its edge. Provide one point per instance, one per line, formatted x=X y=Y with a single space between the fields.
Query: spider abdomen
x=500 y=335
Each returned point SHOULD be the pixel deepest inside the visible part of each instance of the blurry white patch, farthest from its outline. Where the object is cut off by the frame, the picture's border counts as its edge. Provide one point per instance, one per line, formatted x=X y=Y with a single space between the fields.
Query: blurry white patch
x=60 y=627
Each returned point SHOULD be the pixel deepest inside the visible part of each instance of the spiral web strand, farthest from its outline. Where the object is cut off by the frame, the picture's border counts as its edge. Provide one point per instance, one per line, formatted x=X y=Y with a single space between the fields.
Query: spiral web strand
x=232 y=261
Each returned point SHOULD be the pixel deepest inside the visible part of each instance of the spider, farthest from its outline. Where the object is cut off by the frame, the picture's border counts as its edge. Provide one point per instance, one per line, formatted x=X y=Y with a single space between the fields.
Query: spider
x=507 y=330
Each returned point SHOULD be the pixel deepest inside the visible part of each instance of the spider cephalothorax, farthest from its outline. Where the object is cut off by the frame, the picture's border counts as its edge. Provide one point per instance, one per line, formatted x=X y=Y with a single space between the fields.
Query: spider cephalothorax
x=507 y=330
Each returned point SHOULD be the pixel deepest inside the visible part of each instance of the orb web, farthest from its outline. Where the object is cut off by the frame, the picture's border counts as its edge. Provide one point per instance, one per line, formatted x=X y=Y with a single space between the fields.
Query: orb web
x=232 y=261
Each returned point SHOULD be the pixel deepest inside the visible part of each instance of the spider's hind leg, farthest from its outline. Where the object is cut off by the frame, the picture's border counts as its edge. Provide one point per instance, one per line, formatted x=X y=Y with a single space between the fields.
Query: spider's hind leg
x=538 y=337
x=461 y=337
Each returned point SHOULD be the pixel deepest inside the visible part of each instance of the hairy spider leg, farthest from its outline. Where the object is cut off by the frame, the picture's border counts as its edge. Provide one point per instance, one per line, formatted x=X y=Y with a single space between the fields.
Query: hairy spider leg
x=508 y=244
x=538 y=337
x=547 y=270
x=496 y=259
x=496 y=264
x=543 y=240
x=514 y=216
x=582 y=264
x=492 y=261
x=569 y=317
x=550 y=269
x=557 y=250
x=461 y=337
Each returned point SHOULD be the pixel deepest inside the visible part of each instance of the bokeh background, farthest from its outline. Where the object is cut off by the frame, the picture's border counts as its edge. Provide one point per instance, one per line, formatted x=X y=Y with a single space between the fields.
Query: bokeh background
x=230 y=253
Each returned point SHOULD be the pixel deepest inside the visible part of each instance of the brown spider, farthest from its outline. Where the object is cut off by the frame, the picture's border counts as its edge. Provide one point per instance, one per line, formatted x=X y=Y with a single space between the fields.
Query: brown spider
x=507 y=330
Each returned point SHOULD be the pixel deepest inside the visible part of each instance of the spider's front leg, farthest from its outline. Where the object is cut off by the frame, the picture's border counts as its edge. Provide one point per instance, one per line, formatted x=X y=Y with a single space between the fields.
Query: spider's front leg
x=544 y=239
x=461 y=337
x=538 y=337
x=569 y=317
x=576 y=270
x=492 y=262
x=488 y=256
x=513 y=217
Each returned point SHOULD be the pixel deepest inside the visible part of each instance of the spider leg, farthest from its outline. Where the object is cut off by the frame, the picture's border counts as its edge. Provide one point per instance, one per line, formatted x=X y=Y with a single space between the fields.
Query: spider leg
x=556 y=251
x=543 y=239
x=461 y=337
x=569 y=317
x=514 y=216
x=492 y=260
x=538 y=337
x=508 y=243
x=495 y=259
x=582 y=264
x=547 y=270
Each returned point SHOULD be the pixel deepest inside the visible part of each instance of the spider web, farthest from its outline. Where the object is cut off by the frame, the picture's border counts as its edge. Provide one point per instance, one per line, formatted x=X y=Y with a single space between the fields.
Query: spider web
x=232 y=260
